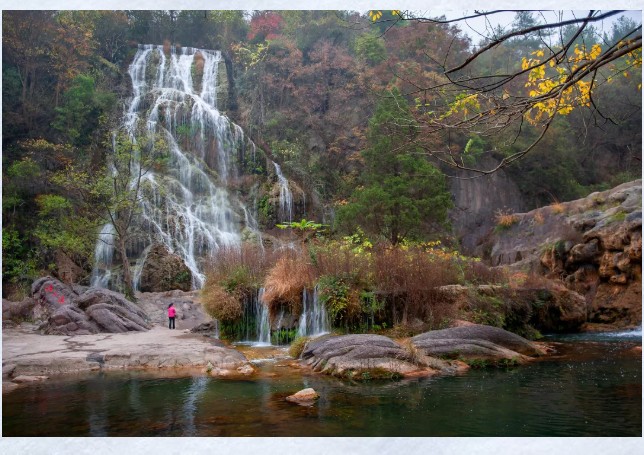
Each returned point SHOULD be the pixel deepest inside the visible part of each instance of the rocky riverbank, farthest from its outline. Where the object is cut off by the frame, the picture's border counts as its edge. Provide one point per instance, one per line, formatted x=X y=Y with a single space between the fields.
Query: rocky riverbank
x=28 y=356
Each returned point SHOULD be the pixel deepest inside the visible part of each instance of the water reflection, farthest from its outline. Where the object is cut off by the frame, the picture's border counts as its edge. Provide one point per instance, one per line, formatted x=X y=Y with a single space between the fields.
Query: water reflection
x=588 y=388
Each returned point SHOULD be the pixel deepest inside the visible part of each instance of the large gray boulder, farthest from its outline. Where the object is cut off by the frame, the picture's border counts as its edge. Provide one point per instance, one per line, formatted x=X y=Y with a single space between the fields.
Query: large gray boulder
x=111 y=311
x=64 y=312
x=50 y=294
x=475 y=341
x=69 y=320
x=164 y=271
x=354 y=355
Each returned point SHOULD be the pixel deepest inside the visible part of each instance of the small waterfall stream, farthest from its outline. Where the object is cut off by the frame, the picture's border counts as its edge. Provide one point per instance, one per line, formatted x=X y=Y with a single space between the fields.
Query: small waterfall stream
x=286 y=196
x=314 y=320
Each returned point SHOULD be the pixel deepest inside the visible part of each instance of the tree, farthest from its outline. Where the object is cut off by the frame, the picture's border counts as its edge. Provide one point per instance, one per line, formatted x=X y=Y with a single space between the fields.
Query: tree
x=82 y=109
x=557 y=78
x=402 y=196
x=115 y=196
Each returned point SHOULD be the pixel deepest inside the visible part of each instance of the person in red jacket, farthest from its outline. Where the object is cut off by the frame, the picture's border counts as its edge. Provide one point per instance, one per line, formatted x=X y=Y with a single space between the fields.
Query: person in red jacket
x=172 y=313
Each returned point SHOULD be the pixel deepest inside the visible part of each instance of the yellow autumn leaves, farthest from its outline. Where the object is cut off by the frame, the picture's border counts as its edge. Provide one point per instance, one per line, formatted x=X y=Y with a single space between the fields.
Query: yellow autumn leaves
x=376 y=15
x=560 y=90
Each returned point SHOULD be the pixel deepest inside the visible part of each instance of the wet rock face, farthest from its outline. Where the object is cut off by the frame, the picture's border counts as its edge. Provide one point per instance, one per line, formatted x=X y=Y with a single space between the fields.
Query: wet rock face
x=164 y=271
x=64 y=312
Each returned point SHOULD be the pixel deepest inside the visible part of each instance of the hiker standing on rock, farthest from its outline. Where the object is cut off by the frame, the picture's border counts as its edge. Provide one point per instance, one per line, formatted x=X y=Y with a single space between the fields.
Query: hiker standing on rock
x=172 y=312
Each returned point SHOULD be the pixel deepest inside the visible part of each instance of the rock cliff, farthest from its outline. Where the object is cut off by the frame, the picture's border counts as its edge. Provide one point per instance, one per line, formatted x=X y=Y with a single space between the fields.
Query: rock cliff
x=594 y=245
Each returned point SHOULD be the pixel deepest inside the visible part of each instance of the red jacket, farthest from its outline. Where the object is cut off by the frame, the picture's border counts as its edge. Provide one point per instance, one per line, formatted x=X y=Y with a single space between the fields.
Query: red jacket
x=171 y=312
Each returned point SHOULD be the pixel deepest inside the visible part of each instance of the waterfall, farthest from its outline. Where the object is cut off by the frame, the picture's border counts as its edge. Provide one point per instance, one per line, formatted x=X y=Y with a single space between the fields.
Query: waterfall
x=286 y=196
x=314 y=320
x=103 y=256
x=263 y=324
x=187 y=206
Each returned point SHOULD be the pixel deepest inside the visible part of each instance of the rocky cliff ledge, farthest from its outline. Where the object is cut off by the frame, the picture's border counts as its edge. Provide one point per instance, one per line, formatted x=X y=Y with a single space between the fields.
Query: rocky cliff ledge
x=594 y=245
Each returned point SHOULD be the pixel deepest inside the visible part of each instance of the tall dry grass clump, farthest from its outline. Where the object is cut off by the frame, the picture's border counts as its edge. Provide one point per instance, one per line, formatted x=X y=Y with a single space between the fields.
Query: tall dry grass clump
x=221 y=304
x=286 y=281
x=505 y=219
x=410 y=278
x=234 y=274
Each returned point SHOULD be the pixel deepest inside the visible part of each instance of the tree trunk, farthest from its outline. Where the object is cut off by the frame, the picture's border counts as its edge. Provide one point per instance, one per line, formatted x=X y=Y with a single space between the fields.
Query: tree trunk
x=127 y=274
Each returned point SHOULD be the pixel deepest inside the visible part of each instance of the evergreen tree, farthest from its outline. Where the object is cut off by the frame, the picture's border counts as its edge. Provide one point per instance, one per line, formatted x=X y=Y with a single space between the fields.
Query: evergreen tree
x=402 y=195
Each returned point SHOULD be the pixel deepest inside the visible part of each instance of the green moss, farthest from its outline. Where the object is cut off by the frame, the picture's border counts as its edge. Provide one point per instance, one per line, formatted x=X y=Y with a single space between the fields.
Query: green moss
x=618 y=217
x=297 y=346
x=370 y=374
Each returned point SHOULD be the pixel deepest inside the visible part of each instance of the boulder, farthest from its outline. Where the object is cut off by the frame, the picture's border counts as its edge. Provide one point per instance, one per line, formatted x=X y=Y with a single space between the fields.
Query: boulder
x=190 y=313
x=475 y=341
x=112 y=312
x=96 y=310
x=353 y=355
x=17 y=311
x=304 y=397
x=69 y=320
x=49 y=294
x=164 y=271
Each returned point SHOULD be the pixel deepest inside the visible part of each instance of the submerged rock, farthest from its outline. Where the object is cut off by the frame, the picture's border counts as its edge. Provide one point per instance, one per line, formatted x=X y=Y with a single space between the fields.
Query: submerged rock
x=304 y=397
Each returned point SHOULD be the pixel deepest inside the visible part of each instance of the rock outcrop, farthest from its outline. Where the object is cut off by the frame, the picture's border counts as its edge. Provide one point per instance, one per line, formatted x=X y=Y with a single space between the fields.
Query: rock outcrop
x=190 y=313
x=164 y=271
x=522 y=310
x=63 y=311
x=475 y=342
x=594 y=244
x=376 y=356
x=355 y=354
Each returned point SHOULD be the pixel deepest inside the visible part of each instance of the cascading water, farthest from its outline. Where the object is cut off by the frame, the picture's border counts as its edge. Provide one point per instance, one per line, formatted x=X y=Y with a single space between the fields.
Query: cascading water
x=314 y=320
x=263 y=324
x=286 y=196
x=103 y=256
x=175 y=98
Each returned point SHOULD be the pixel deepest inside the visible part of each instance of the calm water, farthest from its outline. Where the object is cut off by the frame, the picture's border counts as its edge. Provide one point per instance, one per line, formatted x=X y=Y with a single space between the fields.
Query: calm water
x=591 y=387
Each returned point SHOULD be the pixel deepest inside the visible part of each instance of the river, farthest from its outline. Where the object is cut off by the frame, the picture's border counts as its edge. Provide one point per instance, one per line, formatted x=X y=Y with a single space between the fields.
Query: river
x=592 y=386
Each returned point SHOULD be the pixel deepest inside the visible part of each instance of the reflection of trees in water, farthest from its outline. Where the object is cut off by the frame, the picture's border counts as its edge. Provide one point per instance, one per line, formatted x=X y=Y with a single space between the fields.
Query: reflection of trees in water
x=98 y=392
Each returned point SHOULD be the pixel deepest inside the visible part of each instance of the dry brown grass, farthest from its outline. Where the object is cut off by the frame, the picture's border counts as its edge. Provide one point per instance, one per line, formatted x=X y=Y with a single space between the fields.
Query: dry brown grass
x=221 y=304
x=505 y=218
x=286 y=281
x=479 y=273
x=409 y=280
x=538 y=217
x=558 y=208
